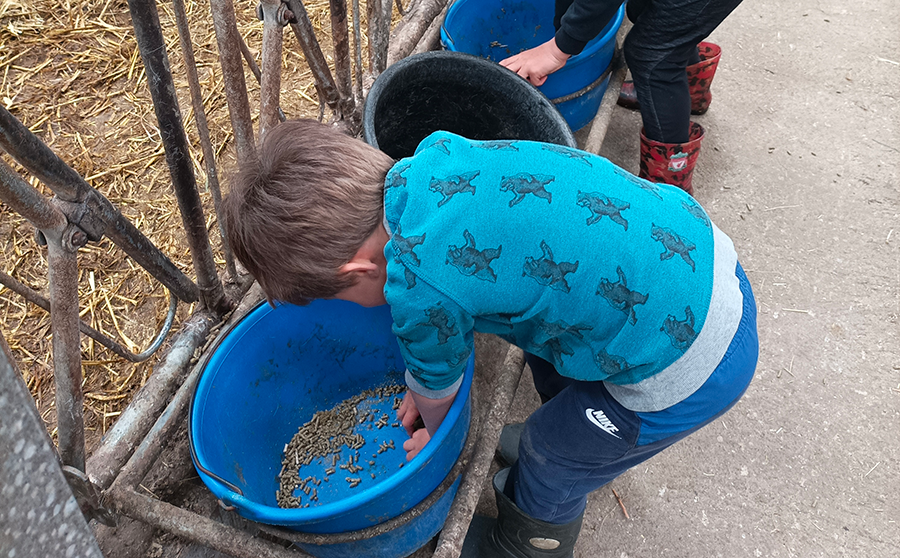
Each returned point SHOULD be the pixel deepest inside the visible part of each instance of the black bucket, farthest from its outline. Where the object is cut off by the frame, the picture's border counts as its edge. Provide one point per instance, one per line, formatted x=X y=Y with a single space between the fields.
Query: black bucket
x=458 y=93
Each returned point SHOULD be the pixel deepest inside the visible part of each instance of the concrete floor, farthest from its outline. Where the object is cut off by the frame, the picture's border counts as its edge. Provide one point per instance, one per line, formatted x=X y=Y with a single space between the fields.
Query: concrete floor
x=800 y=167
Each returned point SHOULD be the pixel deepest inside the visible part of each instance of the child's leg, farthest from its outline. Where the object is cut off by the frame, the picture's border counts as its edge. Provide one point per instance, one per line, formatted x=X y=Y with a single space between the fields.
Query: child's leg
x=583 y=438
x=547 y=380
x=662 y=43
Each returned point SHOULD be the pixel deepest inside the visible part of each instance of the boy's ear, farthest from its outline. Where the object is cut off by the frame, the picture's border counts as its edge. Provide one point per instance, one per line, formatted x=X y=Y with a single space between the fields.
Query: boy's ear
x=359 y=265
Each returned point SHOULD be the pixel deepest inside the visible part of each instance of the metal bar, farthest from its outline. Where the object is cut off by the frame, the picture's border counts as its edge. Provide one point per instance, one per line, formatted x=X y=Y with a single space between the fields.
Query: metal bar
x=406 y=35
x=341 y=37
x=38 y=300
x=62 y=266
x=254 y=69
x=139 y=417
x=39 y=515
x=432 y=36
x=126 y=236
x=357 y=53
x=27 y=201
x=228 y=41
x=270 y=79
x=18 y=141
x=251 y=62
x=209 y=156
x=134 y=471
x=95 y=214
x=306 y=37
x=145 y=20
x=454 y=531
x=193 y=527
x=379 y=34
x=600 y=123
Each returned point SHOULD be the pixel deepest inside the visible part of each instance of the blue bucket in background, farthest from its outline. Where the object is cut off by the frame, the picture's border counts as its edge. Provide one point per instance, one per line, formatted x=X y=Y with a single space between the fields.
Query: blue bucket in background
x=268 y=374
x=498 y=29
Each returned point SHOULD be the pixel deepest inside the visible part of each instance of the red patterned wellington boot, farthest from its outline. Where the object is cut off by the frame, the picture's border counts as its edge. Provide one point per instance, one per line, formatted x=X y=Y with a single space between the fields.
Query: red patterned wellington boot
x=700 y=76
x=628 y=97
x=671 y=163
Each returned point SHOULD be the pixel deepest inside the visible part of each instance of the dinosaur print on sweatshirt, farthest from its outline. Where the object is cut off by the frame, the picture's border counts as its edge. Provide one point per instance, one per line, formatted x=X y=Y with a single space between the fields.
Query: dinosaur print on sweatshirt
x=548 y=272
x=697 y=211
x=441 y=145
x=395 y=178
x=557 y=329
x=612 y=365
x=551 y=335
x=619 y=296
x=452 y=185
x=579 y=156
x=681 y=332
x=442 y=321
x=405 y=247
x=497 y=145
x=601 y=206
x=646 y=185
x=472 y=262
x=523 y=183
x=673 y=244
x=557 y=346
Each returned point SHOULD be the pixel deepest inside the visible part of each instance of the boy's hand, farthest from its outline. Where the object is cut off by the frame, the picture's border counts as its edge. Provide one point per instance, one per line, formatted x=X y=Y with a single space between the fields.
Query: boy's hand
x=415 y=444
x=407 y=415
x=537 y=63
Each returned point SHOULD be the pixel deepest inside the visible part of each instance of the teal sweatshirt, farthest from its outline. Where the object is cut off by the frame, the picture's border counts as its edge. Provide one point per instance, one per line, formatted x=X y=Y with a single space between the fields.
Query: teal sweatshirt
x=607 y=276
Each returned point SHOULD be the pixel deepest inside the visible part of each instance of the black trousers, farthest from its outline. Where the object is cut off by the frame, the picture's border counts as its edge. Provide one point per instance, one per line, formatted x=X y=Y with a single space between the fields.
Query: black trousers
x=662 y=43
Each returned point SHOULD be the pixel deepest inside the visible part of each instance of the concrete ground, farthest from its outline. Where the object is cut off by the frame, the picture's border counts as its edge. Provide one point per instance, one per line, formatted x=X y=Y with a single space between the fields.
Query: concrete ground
x=800 y=168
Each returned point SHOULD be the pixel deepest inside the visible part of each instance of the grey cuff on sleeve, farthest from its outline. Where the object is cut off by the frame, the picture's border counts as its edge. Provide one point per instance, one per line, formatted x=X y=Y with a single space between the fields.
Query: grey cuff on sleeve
x=416 y=386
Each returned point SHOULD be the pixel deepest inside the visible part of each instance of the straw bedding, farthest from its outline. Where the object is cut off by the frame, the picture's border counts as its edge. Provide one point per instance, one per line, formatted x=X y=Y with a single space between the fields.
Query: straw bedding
x=71 y=71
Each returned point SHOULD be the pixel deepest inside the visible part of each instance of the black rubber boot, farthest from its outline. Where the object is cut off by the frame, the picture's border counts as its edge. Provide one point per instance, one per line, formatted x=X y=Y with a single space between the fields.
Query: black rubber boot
x=518 y=535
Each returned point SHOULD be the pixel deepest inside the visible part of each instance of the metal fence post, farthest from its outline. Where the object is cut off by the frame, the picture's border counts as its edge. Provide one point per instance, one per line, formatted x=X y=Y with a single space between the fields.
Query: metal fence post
x=148 y=33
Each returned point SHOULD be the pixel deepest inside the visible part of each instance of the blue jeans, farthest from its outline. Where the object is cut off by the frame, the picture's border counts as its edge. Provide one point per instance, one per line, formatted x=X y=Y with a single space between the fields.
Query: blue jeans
x=565 y=454
x=662 y=43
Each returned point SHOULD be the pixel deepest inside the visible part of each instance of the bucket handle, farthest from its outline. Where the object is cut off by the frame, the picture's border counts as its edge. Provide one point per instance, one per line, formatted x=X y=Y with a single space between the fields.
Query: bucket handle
x=204 y=470
x=447 y=34
x=190 y=430
x=197 y=464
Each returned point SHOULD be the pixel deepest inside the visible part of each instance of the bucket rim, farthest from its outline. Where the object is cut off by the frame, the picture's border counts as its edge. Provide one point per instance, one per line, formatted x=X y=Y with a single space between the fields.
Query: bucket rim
x=368 y=119
x=313 y=515
x=592 y=47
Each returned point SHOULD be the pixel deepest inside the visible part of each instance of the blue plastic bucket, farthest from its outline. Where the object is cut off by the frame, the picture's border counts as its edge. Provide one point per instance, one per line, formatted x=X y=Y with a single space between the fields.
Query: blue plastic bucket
x=268 y=374
x=498 y=29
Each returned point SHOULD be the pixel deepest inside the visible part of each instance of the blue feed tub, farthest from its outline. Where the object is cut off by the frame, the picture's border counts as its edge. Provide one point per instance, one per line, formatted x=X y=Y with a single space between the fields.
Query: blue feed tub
x=269 y=374
x=498 y=29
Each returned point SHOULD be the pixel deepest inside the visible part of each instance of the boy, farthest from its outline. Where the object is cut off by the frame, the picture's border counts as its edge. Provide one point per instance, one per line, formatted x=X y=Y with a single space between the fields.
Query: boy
x=638 y=322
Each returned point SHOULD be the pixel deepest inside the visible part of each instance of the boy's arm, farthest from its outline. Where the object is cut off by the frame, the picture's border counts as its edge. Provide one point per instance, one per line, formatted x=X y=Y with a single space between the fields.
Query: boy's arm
x=436 y=339
x=577 y=23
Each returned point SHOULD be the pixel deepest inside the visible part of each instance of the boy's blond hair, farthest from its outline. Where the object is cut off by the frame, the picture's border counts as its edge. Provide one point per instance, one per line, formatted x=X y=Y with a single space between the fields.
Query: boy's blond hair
x=303 y=207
